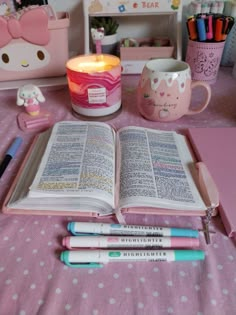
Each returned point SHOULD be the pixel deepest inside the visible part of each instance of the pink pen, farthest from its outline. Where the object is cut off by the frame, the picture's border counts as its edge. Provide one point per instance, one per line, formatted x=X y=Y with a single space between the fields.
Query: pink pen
x=72 y=242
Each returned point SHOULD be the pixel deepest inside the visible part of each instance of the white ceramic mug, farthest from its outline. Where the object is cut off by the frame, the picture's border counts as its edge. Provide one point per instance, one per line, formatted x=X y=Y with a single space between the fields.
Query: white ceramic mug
x=165 y=90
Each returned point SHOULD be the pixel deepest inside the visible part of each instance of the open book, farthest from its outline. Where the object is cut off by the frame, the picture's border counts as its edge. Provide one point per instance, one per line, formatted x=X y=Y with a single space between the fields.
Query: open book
x=88 y=169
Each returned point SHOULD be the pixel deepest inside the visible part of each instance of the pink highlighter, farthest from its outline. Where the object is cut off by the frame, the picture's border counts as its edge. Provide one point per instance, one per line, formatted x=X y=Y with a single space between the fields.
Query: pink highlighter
x=95 y=241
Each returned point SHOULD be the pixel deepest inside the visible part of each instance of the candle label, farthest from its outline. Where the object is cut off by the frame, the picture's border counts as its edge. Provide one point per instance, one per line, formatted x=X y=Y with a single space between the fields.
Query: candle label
x=97 y=96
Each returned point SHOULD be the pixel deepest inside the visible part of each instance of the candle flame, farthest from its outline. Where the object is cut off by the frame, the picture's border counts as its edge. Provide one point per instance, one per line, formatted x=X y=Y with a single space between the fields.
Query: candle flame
x=96 y=66
x=93 y=63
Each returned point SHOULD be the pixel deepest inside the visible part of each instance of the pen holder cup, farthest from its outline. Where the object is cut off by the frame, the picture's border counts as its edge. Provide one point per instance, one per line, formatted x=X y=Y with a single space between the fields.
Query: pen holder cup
x=204 y=60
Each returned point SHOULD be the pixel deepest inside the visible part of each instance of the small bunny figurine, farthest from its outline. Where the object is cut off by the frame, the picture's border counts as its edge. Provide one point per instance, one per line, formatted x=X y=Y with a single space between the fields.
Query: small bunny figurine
x=30 y=96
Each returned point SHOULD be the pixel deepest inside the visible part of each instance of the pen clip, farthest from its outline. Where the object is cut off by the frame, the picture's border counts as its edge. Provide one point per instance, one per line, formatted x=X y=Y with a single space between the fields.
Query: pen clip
x=84 y=234
x=84 y=265
x=71 y=229
x=64 y=257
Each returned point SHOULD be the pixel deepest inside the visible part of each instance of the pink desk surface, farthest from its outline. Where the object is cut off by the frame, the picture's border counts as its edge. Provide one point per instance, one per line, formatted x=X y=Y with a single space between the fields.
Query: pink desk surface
x=34 y=281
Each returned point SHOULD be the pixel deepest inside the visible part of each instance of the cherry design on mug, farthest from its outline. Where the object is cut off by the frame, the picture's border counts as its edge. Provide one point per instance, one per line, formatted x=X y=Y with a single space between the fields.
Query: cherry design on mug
x=164 y=113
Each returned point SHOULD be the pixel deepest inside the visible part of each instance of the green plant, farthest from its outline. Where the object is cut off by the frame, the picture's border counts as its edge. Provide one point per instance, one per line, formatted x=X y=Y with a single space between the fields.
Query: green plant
x=109 y=24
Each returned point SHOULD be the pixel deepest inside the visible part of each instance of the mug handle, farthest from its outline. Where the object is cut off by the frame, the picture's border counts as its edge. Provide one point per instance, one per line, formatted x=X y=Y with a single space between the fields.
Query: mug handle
x=200 y=108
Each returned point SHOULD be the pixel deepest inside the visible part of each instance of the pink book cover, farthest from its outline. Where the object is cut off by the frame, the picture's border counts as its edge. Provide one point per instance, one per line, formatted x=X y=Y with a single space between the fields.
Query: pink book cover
x=216 y=148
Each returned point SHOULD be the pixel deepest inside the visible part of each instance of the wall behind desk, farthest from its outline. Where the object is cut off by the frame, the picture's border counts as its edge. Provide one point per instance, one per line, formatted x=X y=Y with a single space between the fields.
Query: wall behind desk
x=76 y=30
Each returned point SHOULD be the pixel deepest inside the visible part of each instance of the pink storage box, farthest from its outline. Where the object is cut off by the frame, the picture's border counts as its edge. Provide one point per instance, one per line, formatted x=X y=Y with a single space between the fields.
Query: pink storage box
x=33 y=44
x=147 y=51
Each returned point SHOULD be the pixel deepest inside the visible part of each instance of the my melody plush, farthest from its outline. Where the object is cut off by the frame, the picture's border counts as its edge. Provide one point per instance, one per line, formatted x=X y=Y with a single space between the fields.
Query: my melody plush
x=33 y=44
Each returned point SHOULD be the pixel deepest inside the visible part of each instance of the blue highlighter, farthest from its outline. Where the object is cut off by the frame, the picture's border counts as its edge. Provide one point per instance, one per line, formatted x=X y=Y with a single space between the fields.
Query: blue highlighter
x=10 y=154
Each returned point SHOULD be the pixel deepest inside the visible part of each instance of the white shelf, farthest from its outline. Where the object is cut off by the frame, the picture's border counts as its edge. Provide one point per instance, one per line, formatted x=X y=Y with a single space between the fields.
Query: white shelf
x=163 y=19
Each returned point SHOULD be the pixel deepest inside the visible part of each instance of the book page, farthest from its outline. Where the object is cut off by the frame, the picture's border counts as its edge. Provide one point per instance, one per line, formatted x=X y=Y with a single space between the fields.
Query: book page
x=78 y=161
x=156 y=170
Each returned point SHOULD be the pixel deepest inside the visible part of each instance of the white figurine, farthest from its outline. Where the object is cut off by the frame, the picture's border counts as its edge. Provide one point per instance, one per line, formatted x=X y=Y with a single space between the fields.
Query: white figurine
x=97 y=36
x=30 y=96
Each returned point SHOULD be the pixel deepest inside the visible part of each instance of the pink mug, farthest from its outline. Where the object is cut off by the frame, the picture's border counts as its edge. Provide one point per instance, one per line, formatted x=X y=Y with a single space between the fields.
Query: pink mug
x=165 y=90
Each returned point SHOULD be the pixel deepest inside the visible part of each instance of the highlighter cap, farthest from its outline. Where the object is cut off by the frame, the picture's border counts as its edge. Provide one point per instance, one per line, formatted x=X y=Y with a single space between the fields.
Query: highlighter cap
x=14 y=147
x=182 y=242
x=184 y=232
x=71 y=227
x=64 y=257
x=189 y=255
x=66 y=242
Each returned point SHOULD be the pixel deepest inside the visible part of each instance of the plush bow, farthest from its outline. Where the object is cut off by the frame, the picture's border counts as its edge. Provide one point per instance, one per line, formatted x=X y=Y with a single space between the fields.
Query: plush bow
x=32 y=27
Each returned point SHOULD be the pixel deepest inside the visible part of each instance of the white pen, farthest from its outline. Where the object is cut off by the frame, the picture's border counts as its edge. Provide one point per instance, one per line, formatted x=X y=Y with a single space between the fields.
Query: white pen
x=95 y=258
x=73 y=242
x=88 y=228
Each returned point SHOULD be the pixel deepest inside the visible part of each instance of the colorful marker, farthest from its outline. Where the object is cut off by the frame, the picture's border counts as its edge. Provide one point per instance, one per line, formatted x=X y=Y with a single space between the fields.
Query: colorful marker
x=72 y=242
x=220 y=7
x=96 y=258
x=227 y=25
x=192 y=29
x=218 y=29
x=205 y=7
x=214 y=8
x=201 y=29
x=209 y=28
x=88 y=228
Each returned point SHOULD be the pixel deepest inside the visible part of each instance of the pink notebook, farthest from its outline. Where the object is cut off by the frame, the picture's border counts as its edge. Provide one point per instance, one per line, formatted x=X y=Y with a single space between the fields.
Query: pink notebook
x=216 y=148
